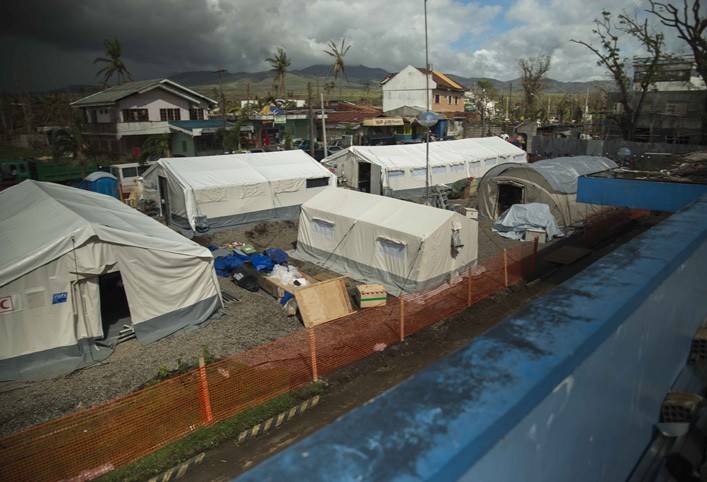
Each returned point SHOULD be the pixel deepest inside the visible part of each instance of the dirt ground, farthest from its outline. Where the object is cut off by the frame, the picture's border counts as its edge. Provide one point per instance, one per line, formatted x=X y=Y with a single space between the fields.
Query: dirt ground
x=255 y=319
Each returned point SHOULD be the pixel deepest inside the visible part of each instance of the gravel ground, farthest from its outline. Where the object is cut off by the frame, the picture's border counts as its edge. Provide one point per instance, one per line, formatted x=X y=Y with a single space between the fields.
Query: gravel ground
x=256 y=319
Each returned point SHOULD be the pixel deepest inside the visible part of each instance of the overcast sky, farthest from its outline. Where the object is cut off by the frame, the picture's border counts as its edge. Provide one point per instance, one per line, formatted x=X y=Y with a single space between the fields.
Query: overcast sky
x=51 y=43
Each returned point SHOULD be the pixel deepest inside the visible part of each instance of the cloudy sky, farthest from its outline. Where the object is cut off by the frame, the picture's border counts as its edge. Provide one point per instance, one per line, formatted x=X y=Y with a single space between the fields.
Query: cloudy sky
x=51 y=43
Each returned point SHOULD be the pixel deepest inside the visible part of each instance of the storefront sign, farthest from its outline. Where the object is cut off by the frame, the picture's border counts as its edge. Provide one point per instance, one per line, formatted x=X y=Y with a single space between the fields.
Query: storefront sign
x=383 y=121
x=280 y=119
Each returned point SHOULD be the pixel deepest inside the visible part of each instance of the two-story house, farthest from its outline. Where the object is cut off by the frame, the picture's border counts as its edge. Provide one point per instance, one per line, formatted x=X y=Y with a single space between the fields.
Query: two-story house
x=119 y=119
x=409 y=88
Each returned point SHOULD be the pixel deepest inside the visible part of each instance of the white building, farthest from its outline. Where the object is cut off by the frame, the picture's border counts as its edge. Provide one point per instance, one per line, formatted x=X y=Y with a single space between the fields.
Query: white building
x=409 y=88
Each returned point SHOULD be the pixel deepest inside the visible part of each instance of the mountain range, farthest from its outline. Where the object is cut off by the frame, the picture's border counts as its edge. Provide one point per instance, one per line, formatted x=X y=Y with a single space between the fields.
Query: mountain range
x=357 y=77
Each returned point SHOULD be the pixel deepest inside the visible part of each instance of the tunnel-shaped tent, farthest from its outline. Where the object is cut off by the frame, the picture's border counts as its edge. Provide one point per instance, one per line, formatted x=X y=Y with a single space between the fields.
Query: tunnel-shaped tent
x=551 y=181
x=404 y=246
x=58 y=244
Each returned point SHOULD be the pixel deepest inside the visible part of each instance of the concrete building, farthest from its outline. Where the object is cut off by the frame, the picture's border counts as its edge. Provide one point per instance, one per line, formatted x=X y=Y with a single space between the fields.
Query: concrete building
x=673 y=106
x=408 y=88
x=120 y=118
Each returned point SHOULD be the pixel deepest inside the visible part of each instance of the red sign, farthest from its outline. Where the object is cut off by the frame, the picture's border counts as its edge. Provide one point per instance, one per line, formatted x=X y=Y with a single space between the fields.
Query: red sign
x=6 y=304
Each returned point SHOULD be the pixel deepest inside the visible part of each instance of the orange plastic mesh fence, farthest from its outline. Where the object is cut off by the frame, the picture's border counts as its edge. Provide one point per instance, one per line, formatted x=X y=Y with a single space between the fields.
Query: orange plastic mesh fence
x=88 y=443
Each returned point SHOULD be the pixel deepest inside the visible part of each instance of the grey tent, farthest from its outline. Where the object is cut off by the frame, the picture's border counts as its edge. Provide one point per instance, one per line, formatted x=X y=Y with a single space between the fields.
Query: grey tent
x=551 y=181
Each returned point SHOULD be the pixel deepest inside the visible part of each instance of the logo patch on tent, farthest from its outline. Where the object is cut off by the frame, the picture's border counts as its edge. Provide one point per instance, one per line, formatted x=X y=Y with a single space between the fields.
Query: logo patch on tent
x=6 y=305
x=59 y=298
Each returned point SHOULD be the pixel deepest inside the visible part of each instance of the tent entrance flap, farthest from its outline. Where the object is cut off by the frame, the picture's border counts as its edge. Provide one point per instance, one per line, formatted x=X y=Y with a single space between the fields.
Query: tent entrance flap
x=509 y=193
x=115 y=311
x=164 y=199
x=364 y=176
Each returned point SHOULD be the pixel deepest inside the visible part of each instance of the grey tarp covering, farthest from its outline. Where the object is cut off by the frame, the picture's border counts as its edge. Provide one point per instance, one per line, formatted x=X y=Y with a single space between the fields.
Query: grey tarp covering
x=520 y=217
x=562 y=172
x=56 y=243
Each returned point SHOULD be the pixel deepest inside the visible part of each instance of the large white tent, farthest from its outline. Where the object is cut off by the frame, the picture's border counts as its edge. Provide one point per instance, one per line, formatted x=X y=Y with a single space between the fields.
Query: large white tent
x=402 y=245
x=400 y=170
x=550 y=181
x=58 y=243
x=233 y=189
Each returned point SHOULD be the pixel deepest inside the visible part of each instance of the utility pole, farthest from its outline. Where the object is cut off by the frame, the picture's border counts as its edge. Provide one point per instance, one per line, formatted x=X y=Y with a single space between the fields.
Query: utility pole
x=510 y=98
x=223 y=106
x=427 y=98
x=311 y=119
x=323 y=126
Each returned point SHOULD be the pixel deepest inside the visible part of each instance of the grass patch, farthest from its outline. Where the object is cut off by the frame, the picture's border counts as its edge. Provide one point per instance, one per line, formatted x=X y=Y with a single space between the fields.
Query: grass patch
x=209 y=437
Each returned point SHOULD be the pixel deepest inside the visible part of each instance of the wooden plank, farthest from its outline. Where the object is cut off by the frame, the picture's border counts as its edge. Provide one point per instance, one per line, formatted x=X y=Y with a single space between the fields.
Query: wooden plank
x=323 y=302
x=566 y=255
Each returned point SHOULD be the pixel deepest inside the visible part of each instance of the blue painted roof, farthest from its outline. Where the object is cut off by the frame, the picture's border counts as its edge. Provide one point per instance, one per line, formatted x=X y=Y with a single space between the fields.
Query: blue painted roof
x=443 y=420
x=200 y=124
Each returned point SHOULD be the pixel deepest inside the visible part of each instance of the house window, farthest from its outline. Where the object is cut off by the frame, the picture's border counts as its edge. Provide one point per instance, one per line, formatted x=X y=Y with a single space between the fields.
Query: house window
x=449 y=99
x=135 y=115
x=196 y=114
x=676 y=108
x=317 y=182
x=436 y=98
x=170 y=114
x=456 y=100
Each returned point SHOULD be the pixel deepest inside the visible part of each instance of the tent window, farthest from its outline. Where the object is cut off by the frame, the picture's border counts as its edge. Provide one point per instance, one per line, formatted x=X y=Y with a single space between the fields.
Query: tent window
x=389 y=247
x=439 y=170
x=458 y=168
x=396 y=173
x=420 y=171
x=323 y=228
x=317 y=182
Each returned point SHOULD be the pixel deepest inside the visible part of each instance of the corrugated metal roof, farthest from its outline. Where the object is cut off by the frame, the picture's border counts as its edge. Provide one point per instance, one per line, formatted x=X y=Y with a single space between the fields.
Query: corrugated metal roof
x=117 y=92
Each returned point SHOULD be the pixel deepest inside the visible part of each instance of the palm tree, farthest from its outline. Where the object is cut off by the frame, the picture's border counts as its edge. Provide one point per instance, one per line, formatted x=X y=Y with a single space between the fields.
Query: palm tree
x=279 y=62
x=338 y=52
x=113 y=62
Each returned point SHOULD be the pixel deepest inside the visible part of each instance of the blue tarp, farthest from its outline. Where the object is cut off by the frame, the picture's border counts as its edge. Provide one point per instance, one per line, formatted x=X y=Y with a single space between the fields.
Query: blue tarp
x=277 y=255
x=226 y=265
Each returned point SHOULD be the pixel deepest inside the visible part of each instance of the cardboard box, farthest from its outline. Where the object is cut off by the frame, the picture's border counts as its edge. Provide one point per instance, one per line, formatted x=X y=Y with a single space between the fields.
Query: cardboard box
x=277 y=289
x=369 y=296
x=531 y=234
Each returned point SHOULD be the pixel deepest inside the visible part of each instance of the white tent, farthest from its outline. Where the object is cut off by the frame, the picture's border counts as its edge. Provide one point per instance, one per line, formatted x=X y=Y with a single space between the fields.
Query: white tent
x=235 y=189
x=400 y=170
x=404 y=246
x=58 y=244
x=550 y=181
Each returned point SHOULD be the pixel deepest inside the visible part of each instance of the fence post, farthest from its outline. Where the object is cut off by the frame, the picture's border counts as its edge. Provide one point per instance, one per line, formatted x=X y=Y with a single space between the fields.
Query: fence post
x=204 y=393
x=505 y=267
x=534 y=266
x=468 y=288
x=313 y=354
x=402 y=318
